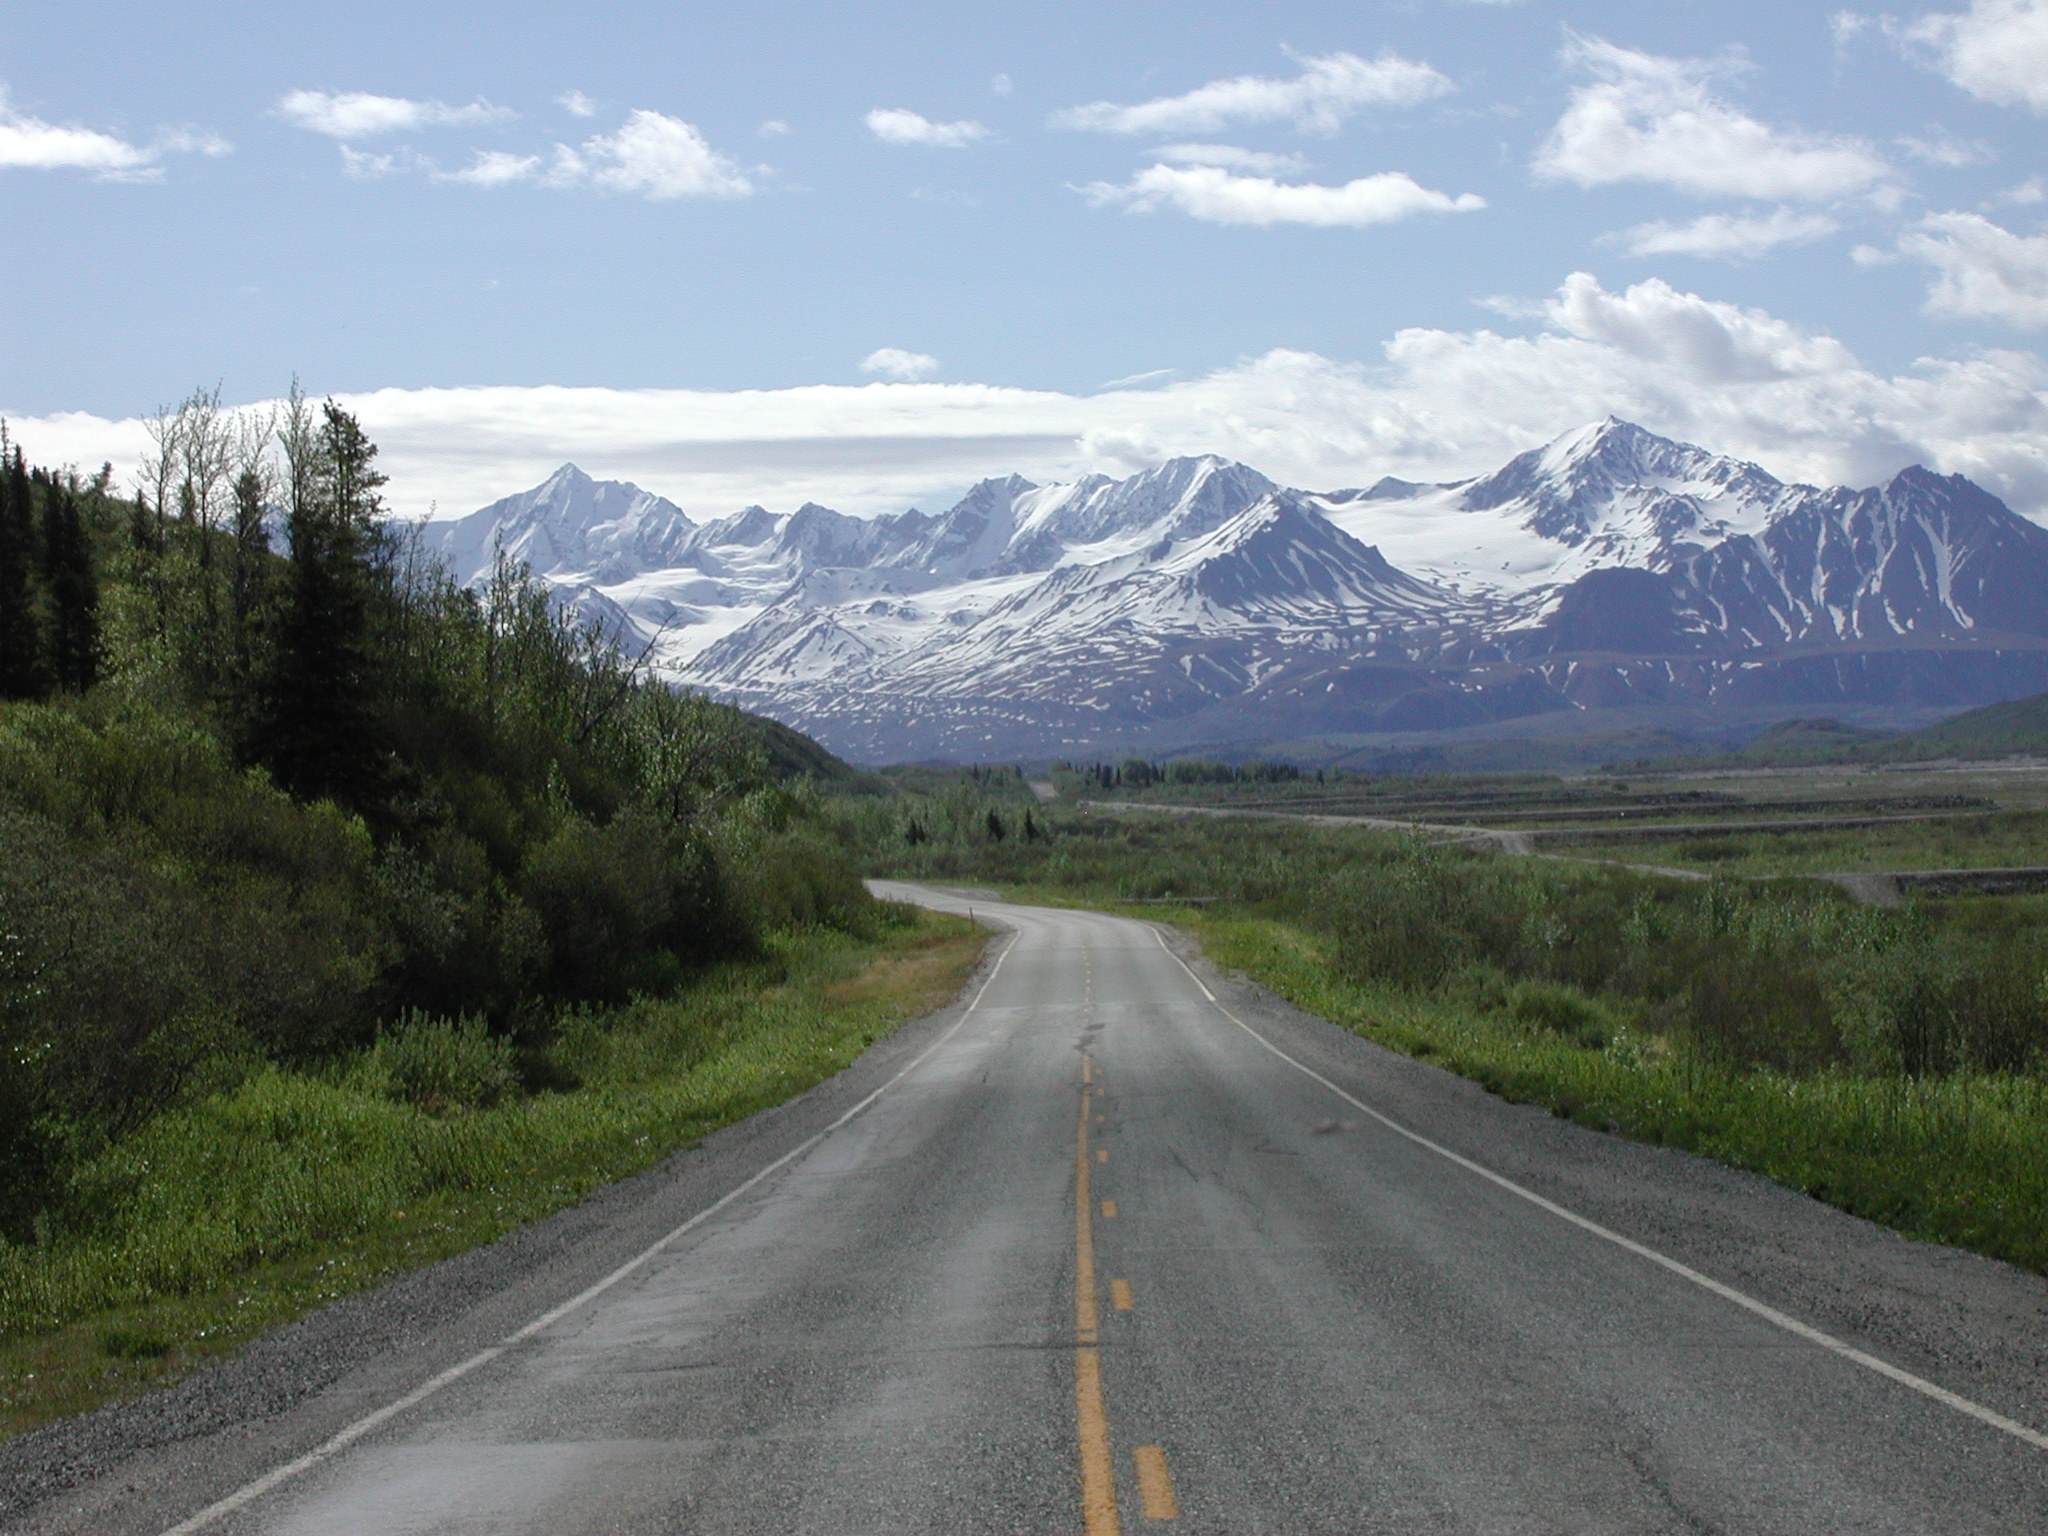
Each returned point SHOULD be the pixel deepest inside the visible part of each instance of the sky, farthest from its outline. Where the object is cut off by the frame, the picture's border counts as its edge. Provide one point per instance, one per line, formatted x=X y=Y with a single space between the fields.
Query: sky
x=865 y=254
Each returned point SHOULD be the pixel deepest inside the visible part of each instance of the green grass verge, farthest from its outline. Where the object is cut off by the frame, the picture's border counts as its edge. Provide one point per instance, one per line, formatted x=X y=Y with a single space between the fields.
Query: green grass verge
x=225 y=1217
x=1952 y=1159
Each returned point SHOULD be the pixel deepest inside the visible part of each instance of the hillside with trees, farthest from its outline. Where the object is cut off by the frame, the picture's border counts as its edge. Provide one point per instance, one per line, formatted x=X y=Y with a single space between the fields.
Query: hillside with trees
x=275 y=791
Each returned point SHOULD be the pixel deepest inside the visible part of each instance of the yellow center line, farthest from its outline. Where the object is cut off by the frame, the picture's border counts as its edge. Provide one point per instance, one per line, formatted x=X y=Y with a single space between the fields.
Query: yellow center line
x=1120 y=1295
x=1098 y=1472
x=1109 y=1210
x=1155 y=1484
x=1102 y=1154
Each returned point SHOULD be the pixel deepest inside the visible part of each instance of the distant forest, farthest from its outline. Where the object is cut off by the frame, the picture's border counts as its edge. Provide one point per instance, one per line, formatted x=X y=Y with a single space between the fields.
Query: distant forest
x=271 y=782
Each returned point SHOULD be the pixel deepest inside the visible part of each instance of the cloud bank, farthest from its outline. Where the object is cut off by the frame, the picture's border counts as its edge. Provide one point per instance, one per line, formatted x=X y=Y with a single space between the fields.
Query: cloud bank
x=1439 y=404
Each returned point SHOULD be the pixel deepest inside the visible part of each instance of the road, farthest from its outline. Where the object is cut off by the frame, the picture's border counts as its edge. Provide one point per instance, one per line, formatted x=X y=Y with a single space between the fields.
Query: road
x=1120 y=1245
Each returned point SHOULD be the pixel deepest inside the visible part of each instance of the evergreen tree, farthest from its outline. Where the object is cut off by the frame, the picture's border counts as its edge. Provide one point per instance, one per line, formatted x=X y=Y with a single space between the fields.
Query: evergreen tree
x=22 y=674
x=321 y=735
x=252 y=549
x=74 y=637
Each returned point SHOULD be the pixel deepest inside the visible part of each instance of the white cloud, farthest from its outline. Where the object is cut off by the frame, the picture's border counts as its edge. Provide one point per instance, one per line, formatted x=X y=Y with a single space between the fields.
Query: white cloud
x=1435 y=405
x=1997 y=50
x=652 y=156
x=1328 y=90
x=361 y=115
x=2028 y=192
x=1232 y=158
x=1940 y=147
x=366 y=165
x=900 y=125
x=576 y=104
x=29 y=143
x=1002 y=85
x=1728 y=236
x=495 y=168
x=895 y=363
x=1646 y=118
x=1983 y=271
x=774 y=128
x=1214 y=195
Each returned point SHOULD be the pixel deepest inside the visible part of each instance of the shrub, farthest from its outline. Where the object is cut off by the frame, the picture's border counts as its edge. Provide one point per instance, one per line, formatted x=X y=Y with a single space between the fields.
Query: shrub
x=1561 y=1010
x=441 y=1064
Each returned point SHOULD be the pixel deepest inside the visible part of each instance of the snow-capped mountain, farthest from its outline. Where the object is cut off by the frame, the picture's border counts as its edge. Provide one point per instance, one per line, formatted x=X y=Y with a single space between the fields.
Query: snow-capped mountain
x=1606 y=495
x=567 y=525
x=1200 y=603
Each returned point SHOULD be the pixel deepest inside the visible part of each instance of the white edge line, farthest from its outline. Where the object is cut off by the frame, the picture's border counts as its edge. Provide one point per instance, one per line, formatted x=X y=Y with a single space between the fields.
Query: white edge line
x=1748 y=1303
x=343 y=1439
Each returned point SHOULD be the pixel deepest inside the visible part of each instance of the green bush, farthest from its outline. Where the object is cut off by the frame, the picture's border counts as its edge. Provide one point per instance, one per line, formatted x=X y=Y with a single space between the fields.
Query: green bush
x=1563 y=1011
x=440 y=1064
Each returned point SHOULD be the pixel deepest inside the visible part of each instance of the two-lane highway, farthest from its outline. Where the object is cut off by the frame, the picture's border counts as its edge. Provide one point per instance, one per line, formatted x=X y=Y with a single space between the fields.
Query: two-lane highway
x=1124 y=1248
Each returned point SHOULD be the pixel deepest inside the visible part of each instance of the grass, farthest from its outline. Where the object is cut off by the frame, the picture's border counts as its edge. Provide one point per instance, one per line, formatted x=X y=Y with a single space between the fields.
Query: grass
x=2000 y=840
x=225 y=1217
x=1952 y=1159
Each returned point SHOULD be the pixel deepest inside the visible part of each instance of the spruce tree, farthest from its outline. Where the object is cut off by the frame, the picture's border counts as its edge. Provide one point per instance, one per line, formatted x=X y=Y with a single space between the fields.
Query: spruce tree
x=321 y=733
x=22 y=673
x=74 y=636
x=252 y=551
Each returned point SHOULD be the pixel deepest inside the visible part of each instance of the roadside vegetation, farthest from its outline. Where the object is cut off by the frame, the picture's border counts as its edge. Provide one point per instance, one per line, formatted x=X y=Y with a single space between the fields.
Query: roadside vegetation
x=347 y=916
x=1893 y=1062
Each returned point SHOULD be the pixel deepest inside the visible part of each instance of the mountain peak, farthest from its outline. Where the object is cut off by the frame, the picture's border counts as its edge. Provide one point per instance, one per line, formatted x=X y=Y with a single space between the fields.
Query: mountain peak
x=569 y=524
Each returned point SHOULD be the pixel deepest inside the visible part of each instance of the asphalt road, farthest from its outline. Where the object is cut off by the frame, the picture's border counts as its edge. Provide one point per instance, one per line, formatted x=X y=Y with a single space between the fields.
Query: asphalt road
x=1122 y=1245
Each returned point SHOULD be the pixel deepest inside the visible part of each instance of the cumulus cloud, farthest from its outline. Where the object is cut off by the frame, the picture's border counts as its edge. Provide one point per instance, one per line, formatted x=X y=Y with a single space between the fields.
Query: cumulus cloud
x=1216 y=196
x=900 y=125
x=1983 y=271
x=1728 y=236
x=361 y=115
x=1645 y=118
x=1437 y=404
x=1328 y=90
x=29 y=143
x=576 y=104
x=895 y=363
x=1997 y=50
x=1233 y=158
x=652 y=156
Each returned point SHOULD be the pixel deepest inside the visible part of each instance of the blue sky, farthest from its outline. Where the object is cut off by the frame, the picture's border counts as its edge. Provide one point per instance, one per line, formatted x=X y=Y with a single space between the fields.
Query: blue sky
x=867 y=252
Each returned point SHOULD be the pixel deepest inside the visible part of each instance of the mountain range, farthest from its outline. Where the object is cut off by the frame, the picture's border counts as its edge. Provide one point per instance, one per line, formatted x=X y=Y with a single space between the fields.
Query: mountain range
x=1612 y=573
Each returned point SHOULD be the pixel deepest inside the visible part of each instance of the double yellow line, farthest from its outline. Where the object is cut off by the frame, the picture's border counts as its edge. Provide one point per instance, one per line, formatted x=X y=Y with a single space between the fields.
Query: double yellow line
x=1098 y=1467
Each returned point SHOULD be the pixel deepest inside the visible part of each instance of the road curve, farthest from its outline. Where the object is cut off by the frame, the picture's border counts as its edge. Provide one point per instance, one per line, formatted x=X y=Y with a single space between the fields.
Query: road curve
x=1125 y=1246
